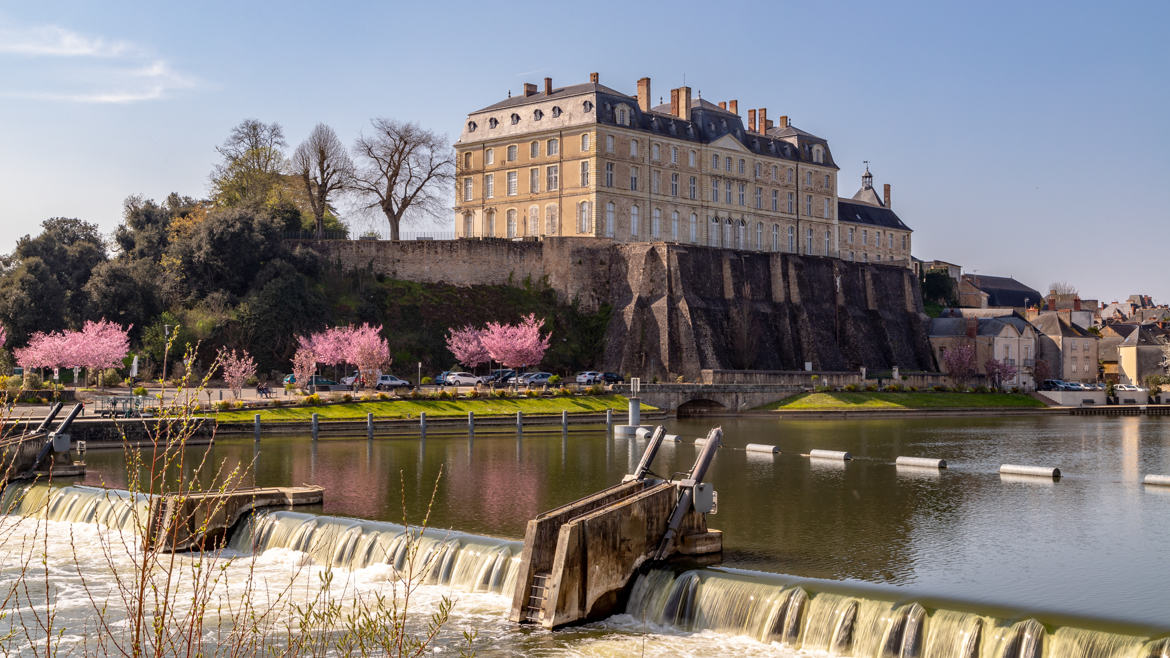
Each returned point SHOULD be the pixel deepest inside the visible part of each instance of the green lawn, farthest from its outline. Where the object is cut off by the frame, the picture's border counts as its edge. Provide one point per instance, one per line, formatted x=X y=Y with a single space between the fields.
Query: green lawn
x=433 y=408
x=842 y=401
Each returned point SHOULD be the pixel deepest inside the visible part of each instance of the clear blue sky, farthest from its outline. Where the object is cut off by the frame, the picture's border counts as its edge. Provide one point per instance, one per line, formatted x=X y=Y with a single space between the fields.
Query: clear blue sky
x=1025 y=139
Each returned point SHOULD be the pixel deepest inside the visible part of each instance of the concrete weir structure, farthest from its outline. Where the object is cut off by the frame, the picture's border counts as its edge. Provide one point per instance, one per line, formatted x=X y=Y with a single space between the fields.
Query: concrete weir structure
x=682 y=308
x=580 y=559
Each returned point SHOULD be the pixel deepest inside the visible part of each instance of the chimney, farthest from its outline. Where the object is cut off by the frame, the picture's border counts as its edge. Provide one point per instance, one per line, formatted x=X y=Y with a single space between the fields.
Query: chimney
x=548 y=86
x=972 y=327
x=733 y=107
x=644 y=94
x=593 y=78
x=783 y=120
x=886 y=194
x=723 y=105
x=684 y=101
x=762 y=118
x=769 y=125
x=752 y=121
x=529 y=89
x=674 y=102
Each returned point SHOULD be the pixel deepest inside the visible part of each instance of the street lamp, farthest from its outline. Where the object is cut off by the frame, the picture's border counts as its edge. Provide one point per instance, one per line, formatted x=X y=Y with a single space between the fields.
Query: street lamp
x=419 y=380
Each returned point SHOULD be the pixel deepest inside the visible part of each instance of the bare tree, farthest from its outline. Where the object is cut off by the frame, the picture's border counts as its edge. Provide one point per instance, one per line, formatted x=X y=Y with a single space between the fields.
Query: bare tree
x=402 y=168
x=1063 y=288
x=324 y=167
x=253 y=157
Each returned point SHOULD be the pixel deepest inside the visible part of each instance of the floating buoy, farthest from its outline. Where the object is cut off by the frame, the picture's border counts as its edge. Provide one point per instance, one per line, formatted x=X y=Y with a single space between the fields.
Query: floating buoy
x=836 y=455
x=643 y=432
x=921 y=462
x=1036 y=471
x=762 y=447
x=1157 y=480
x=674 y=438
x=700 y=443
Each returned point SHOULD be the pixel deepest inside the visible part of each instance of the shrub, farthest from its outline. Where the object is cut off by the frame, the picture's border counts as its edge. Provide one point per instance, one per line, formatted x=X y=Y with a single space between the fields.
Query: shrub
x=554 y=380
x=872 y=388
x=850 y=388
x=311 y=400
x=277 y=402
x=941 y=389
x=32 y=381
x=290 y=387
x=982 y=389
x=347 y=398
x=502 y=393
x=596 y=389
x=893 y=388
x=139 y=391
x=532 y=393
x=223 y=405
x=428 y=380
x=912 y=389
x=383 y=396
x=238 y=404
x=414 y=394
x=472 y=394
x=563 y=392
x=678 y=380
x=1017 y=390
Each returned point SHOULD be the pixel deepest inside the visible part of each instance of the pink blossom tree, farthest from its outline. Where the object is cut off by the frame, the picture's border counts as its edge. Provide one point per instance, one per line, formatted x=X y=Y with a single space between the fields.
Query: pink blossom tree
x=959 y=362
x=516 y=345
x=3 y=335
x=304 y=366
x=365 y=348
x=999 y=372
x=466 y=344
x=99 y=345
x=238 y=367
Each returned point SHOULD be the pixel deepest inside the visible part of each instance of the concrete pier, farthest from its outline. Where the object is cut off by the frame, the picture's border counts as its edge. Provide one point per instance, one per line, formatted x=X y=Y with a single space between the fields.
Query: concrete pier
x=202 y=521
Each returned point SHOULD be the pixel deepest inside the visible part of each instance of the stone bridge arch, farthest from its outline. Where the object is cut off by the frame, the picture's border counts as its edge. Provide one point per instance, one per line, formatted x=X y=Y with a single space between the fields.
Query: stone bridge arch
x=687 y=399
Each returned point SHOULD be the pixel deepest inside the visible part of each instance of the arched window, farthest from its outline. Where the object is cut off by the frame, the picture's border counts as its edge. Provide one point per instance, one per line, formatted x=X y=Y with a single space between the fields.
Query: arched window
x=818 y=154
x=511 y=223
x=791 y=239
x=694 y=228
x=550 y=220
x=468 y=225
x=656 y=224
x=728 y=240
x=760 y=236
x=633 y=221
x=808 y=241
x=828 y=243
x=585 y=223
x=741 y=235
x=674 y=226
x=610 y=210
x=713 y=232
x=515 y=118
x=775 y=237
x=534 y=220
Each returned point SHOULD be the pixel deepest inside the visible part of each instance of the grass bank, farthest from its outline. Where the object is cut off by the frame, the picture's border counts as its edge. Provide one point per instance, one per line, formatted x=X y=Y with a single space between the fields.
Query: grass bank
x=861 y=401
x=433 y=408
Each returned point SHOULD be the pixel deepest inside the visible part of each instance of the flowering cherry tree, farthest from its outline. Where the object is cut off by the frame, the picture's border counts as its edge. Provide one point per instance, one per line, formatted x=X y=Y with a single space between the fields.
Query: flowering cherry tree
x=237 y=368
x=99 y=345
x=959 y=362
x=365 y=348
x=304 y=365
x=466 y=344
x=999 y=372
x=516 y=345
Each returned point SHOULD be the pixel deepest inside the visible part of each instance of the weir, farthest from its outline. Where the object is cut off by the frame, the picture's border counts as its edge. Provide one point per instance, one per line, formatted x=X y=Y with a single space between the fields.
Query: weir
x=41 y=451
x=580 y=559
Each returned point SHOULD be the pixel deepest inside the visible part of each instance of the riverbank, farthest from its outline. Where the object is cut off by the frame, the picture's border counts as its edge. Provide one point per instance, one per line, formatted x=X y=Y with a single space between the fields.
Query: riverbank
x=837 y=404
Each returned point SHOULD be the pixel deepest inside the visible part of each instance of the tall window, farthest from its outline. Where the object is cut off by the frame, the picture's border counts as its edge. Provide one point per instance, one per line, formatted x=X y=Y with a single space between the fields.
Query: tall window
x=890 y=240
x=808 y=178
x=741 y=235
x=808 y=241
x=552 y=178
x=655 y=152
x=727 y=164
x=775 y=237
x=534 y=150
x=826 y=181
x=633 y=148
x=467 y=160
x=655 y=180
x=550 y=220
x=728 y=240
x=742 y=194
x=788 y=177
x=714 y=160
x=468 y=225
x=609 y=174
x=774 y=170
x=674 y=226
x=694 y=228
x=864 y=237
x=691 y=159
x=468 y=189
x=534 y=180
x=609 y=143
x=534 y=220
x=585 y=222
x=851 y=230
x=656 y=223
x=808 y=205
x=489 y=156
x=828 y=243
x=742 y=166
x=758 y=169
x=775 y=200
x=512 y=153
x=791 y=239
x=634 y=178
x=633 y=221
x=511 y=223
x=585 y=173
x=714 y=191
x=512 y=183
x=759 y=236
x=791 y=202
x=673 y=184
x=674 y=155
x=610 y=209
x=759 y=198
x=713 y=232
x=585 y=142
x=727 y=191
x=692 y=190
x=553 y=147
x=489 y=188
x=825 y=209
x=904 y=242
x=489 y=224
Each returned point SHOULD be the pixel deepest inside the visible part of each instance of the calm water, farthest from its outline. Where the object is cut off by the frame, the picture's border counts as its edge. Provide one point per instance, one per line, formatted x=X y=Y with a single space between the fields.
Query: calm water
x=1092 y=544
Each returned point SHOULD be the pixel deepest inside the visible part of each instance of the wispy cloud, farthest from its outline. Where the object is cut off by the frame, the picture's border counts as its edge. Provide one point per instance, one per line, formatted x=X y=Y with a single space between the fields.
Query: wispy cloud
x=61 y=65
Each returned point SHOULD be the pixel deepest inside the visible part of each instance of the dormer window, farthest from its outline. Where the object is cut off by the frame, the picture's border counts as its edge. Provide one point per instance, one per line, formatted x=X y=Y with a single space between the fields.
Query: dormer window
x=515 y=118
x=493 y=122
x=556 y=111
x=537 y=115
x=818 y=154
x=623 y=115
x=587 y=106
x=471 y=126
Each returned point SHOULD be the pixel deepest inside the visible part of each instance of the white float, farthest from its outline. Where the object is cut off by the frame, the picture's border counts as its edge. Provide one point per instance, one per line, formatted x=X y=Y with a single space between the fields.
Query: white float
x=835 y=455
x=1035 y=471
x=922 y=462
x=1157 y=480
x=762 y=447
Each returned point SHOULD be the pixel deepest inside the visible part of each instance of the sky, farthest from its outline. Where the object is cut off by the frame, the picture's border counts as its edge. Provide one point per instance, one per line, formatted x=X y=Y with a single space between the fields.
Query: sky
x=1021 y=139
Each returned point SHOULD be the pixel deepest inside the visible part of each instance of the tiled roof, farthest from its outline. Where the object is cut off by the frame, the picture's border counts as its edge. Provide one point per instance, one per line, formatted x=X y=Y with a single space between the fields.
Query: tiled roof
x=863 y=213
x=1003 y=290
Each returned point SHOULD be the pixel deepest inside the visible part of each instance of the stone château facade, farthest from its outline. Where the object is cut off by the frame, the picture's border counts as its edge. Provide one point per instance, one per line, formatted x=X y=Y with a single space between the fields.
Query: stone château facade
x=588 y=161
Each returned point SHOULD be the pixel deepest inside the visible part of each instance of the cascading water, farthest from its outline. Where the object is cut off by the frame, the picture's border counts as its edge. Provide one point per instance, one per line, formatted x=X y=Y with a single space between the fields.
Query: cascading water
x=766 y=608
x=465 y=562
x=77 y=504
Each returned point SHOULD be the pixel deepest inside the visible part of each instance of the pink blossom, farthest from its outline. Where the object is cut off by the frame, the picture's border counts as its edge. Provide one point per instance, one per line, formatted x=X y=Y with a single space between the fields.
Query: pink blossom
x=365 y=348
x=516 y=345
x=466 y=344
x=3 y=336
x=237 y=368
x=304 y=365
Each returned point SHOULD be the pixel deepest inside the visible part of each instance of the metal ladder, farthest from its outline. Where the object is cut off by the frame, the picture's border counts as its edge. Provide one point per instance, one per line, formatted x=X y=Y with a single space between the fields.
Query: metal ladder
x=535 y=604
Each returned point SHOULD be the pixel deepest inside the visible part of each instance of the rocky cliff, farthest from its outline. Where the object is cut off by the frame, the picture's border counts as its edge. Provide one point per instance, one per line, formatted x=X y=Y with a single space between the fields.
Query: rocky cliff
x=681 y=308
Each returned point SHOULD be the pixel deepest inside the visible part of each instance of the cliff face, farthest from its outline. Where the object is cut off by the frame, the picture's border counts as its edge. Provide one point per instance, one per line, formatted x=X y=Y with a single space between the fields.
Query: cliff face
x=679 y=308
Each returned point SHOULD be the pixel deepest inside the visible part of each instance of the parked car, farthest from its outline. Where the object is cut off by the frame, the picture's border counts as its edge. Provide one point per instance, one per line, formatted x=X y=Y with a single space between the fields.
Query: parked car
x=1127 y=387
x=612 y=378
x=441 y=378
x=315 y=380
x=589 y=377
x=538 y=379
x=499 y=376
x=355 y=376
x=1055 y=385
x=462 y=379
x=389 y=382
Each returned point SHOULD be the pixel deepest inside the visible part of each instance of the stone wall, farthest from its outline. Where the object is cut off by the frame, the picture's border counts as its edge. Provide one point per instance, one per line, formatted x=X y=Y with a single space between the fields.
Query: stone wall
x=677 y=309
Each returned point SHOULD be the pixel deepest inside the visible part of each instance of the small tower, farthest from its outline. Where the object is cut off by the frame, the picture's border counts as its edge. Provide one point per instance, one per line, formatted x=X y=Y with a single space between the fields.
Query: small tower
x=866 y=178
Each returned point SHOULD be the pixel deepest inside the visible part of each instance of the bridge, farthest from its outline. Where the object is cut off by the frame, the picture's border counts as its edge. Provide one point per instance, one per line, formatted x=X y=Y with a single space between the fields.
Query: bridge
x=694 y=399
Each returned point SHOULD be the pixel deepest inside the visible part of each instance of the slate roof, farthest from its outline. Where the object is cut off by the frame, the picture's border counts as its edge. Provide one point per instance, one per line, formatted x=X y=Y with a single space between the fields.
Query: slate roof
x=1141 y=337
x=864 y=213
x=540 y=96
x=948 y=327
x=1051 y=324
x=1003 y=290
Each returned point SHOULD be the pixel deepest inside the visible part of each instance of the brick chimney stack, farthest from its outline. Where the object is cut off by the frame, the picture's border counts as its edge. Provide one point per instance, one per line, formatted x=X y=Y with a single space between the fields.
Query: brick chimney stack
x=644 y=94
x=674 y=109
x=972 y=327
x=733 y=107
x=762 y=118
x=529 y=89
x=751 y=121
x=593 y=77
x=548 y=86
x=886 y=194
x=723 y=105
x=684 y=102
x=783 y=120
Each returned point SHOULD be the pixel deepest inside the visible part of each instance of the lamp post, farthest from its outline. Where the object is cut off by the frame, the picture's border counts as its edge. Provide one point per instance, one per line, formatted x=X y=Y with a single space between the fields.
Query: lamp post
x=166 y=353
x=419 y=380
